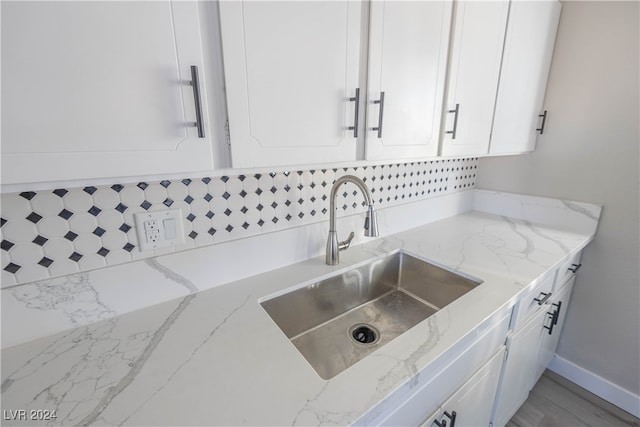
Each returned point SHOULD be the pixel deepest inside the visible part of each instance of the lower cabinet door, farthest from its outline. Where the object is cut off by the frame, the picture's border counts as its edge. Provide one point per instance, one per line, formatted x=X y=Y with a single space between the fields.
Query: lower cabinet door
x=552 y=330
x=471 y=404
x=432 y=419
x=446 y=381
x=523 y=349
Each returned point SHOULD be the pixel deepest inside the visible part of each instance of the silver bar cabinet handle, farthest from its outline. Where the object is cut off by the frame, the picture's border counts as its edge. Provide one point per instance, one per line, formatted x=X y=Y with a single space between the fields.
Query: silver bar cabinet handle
x=380 y=114
x=195 y=82
x=540 y=130
x=355 y=99
x=545 y=298
x=455 y=121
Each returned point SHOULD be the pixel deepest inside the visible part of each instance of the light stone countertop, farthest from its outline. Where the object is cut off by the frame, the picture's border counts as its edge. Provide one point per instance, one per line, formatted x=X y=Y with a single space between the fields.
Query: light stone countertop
x=216 y=357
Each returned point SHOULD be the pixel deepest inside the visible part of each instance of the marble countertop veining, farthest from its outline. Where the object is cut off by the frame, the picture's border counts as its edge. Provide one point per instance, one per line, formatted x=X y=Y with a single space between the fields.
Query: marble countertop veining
x=216 y=358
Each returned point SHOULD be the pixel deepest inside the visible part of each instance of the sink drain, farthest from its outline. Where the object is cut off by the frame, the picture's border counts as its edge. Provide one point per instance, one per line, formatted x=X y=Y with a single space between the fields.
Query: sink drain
x=364 y=334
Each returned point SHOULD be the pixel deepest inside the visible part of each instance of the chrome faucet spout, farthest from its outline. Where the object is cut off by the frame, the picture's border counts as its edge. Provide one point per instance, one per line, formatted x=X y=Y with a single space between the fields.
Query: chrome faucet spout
x=370 y=224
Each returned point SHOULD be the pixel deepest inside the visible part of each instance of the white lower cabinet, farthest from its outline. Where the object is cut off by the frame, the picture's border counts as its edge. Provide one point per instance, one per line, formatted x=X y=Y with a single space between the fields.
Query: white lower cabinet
x=531 y=346
x=467 y=384
x=436 y=416
x=552 y=335
x=529 y=302
x=471 y=405
x=522 y=359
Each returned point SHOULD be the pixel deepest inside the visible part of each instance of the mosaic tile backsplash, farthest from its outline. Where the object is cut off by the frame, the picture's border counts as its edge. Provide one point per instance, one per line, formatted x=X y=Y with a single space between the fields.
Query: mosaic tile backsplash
x=67 y=230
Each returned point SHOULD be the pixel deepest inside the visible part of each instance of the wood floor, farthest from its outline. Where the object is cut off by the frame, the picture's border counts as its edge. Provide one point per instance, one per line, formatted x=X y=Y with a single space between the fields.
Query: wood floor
x=557 y=402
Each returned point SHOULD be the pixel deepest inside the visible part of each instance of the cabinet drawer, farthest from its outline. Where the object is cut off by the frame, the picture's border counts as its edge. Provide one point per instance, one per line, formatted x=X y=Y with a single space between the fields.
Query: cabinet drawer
x=422 y=404
x=530 y=302
x=567 y=270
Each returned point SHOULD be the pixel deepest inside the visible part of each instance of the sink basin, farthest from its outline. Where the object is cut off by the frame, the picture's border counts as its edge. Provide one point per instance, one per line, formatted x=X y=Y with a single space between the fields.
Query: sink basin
x=338 y=321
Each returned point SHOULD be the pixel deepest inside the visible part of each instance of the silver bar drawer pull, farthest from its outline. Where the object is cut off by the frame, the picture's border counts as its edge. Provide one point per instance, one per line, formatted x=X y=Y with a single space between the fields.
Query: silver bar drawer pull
x=545 y=298
x=195 y=82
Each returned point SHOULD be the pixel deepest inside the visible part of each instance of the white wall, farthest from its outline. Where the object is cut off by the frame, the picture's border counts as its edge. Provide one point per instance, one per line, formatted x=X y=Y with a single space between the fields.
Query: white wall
x=590 y=152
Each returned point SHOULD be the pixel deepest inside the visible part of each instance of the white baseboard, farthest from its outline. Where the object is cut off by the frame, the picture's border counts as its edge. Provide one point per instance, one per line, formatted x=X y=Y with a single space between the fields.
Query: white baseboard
x=597 y=385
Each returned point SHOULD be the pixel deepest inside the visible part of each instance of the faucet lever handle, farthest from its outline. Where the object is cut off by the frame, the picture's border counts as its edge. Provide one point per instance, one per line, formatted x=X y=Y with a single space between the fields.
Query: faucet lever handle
x=345 y=244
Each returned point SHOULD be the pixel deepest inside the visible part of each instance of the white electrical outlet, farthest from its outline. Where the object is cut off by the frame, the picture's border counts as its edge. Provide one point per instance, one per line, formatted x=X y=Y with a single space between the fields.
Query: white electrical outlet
x=151 y=230
x=159 y=229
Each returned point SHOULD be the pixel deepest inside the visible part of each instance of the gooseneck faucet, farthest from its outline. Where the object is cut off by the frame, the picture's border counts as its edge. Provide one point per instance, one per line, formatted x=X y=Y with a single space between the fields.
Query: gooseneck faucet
x=370 y=224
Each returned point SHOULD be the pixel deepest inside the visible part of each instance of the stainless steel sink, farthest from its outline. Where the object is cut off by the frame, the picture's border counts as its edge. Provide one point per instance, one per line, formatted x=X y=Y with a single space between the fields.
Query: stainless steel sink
x=338 y=321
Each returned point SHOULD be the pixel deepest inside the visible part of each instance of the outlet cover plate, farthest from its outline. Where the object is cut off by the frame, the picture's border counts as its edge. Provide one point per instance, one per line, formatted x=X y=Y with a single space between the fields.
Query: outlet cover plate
x=170 y=229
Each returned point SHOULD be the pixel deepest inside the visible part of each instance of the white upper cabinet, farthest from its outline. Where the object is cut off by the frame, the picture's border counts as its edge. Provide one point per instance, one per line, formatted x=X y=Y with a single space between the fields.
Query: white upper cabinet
x=474 y=70
x=104 y=89
x=437 y=72
x=292 y=71
x=100 y=89
x=408 y=45
x=528 y=50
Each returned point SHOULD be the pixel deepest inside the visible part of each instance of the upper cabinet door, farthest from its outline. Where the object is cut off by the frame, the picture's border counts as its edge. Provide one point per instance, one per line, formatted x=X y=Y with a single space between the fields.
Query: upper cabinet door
x=528 y=50
x=100 y=89
x=478 y=39
x=291 y=71
x=408 y=46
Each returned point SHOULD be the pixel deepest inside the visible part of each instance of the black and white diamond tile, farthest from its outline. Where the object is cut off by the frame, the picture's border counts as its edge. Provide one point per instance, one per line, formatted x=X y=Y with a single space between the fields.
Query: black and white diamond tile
x=66 y=230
